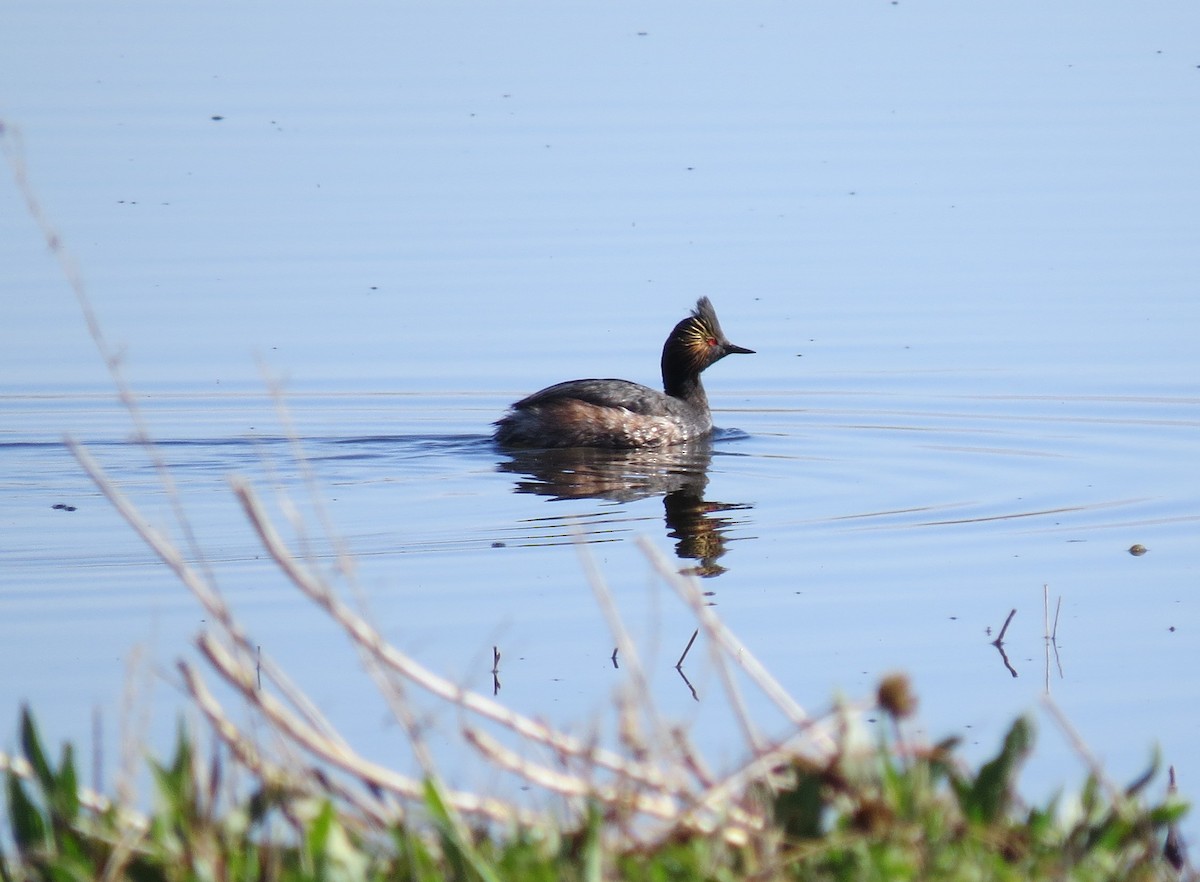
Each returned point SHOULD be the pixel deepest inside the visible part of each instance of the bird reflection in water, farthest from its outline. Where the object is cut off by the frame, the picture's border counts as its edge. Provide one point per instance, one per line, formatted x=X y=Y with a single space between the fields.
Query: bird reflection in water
x=679 y=474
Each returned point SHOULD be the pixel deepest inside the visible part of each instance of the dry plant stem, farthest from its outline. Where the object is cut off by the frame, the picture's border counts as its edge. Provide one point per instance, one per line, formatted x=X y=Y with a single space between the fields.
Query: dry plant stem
x=133 y=725
x=200 y=587
x=295 y=729
x=283 y=721
x=612 y=618
x=345 y=560
x=635 y=671
x=393 y=690
x=733 y=824
x=1084 y=752
x=569 y=786
x=390 y=687
x=720 y=634
x=691 y=758
x=717 y=651
x=116 y=865
x=655 y=804
x=252 y=758
x=367 y=637
x=633 y=662
x=809 y=734
x=759 y=768
x=690 y=593
x=166 y=550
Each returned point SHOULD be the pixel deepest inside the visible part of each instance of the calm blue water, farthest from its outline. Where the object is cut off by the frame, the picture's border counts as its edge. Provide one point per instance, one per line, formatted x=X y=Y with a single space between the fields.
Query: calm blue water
x=963 y=244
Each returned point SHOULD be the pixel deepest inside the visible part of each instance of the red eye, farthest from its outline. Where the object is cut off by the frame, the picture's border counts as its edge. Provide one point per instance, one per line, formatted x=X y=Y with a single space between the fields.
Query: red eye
x=711 y=341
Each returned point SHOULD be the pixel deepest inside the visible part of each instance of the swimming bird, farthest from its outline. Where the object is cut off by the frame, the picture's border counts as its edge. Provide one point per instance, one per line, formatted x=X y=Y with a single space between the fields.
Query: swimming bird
x=622 y=414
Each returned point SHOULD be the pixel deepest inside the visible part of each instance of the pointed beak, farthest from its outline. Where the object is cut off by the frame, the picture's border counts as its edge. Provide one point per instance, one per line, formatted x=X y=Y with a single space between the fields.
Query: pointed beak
x=738 y=350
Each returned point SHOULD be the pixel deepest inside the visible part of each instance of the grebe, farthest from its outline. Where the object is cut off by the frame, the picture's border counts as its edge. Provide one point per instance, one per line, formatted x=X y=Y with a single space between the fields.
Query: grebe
x=621 y=414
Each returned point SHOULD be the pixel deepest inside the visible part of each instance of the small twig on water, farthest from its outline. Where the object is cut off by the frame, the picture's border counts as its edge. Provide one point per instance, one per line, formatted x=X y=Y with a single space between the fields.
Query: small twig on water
x=495 y=659
x=1000 y=639
x=686 y=681
x=1004 y=658
x=1046 y=639
x=1051 y=634
x=1046 y=610
x=999 y=643
x=679 y=664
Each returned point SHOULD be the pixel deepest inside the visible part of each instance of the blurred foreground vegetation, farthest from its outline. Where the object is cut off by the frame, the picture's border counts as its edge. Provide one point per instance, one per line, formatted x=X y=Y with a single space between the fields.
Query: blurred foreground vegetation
x=885 y=814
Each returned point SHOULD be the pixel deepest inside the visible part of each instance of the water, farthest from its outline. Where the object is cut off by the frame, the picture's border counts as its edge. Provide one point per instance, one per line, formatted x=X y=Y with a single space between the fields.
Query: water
x=963 y=245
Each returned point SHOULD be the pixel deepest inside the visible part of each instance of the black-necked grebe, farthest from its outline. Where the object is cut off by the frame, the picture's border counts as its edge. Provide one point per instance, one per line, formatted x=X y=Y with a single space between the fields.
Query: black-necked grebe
x=621 y=414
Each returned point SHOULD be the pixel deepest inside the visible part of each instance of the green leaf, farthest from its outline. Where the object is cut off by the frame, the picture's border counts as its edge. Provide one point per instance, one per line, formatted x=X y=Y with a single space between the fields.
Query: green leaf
x=798 y=809
x=1139 y=783
x=5 y=875
x=453 y=838
x=28 y=826
x=593 y=855
x=1169 y=812
x=318 y=833
x=332 y=852
x=66 y=790
x=987 y=798
x=31 y=745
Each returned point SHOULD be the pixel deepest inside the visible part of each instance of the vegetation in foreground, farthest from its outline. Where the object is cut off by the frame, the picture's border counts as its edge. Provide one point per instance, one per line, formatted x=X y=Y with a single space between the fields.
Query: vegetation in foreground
x=880 y=815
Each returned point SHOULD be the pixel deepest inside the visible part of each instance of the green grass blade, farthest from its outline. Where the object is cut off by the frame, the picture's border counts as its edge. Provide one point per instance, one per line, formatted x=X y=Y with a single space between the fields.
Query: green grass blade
x=29 y=827
x=31 y=746
x=453 y=837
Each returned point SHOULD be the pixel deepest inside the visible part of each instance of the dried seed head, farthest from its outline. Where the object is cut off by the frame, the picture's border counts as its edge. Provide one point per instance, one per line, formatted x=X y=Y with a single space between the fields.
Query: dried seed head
x=896 y=696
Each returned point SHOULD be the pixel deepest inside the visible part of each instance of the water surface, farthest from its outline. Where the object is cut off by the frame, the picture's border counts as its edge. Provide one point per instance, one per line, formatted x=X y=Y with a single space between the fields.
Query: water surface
x=962 y=243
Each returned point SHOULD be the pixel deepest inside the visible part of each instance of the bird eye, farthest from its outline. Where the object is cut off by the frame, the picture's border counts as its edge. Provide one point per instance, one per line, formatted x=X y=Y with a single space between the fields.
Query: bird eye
x=711 y=341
